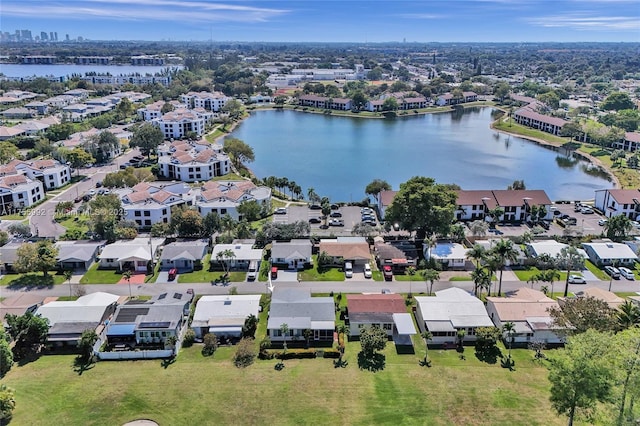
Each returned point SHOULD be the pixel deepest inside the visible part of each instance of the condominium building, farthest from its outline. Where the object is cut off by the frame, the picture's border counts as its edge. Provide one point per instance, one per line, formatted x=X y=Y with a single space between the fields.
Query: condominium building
x=209 y=101
x=146 y=203
x=224 y=197
x=192 y=161
x=178 y=123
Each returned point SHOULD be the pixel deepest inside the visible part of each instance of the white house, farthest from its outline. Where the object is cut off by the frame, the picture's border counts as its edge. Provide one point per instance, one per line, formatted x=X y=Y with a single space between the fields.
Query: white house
x=610 y=253
x=224 y=197
x=243 y=255
x=18 y=192
x=450 y=311
x=294 y=254
x=51 y=173
x=192 y=161
x=184 y=255
x=154 y=110
x=616 y=202
x=451 y=255
x=528 y=310
x=299 y=311
x=209 y=101
x=386 y=311
x=131 y=255
x=180 y=122
x=224 y=315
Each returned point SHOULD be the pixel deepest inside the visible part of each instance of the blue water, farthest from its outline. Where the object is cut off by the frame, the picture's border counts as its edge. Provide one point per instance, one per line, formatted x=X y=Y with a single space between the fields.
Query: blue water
x=339 y=156
x=21 y=70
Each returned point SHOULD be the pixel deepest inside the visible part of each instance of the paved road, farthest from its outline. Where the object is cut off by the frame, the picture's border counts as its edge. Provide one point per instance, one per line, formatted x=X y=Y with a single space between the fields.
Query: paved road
x=316 y=287
x=42 y=217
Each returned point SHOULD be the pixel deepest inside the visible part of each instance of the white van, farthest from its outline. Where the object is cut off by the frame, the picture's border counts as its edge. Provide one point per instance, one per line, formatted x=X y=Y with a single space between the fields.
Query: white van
x=252 y=274
x=348 y=270
x=627 y=273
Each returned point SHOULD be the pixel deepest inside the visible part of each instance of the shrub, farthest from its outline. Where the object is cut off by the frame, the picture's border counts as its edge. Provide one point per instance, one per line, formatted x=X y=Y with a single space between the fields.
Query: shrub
x=210 y=344
x=245 y=353
x=189 y=338
x=331 y=353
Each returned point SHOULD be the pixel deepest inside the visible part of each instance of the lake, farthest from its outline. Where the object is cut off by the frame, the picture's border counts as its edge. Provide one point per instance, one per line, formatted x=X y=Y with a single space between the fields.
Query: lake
x=22 y=70
x=339 y=156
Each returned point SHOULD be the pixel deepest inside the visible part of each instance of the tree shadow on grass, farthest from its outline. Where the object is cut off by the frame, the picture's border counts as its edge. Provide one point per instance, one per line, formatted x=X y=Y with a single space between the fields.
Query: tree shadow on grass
x=340 y=363
x=371 y=362
x=80 y=365
x=489 y=355
x=167 y=362
x=31 y=282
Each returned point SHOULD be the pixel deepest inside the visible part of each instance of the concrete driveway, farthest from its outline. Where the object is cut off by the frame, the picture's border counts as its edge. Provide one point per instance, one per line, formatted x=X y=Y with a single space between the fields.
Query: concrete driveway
x=286 y=276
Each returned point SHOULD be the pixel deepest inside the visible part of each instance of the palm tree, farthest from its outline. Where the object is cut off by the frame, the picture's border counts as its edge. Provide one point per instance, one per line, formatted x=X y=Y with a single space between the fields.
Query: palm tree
x=492 y=264
x=628 y=315
x=344 y=330
x=505 y=251
x=571 y=259
x=477 y=253
x=426 y=335
x=533 y=279
x=549 y=276
x=227 y=223
x=127 y=276
x=429 y=243
x=481 y=279
x=509 y=328
x=430 y=275
x=67 y=277
x=411 y=271
x=284 y=329
x=223 y=257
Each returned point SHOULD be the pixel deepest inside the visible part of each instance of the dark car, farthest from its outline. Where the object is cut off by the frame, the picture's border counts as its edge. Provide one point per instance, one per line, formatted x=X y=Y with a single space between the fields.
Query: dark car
x=98 y=184
x=315 y=207
x=335 y=214
x=315 y=220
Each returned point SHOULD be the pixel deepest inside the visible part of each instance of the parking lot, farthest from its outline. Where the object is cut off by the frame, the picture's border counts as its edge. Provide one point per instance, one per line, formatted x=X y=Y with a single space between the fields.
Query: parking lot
x=350 y=215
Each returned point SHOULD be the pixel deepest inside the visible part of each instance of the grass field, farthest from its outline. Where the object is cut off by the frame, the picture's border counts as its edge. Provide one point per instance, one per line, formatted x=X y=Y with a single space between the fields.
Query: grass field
x=32 y=279
x=198 y=390
x=100 y=276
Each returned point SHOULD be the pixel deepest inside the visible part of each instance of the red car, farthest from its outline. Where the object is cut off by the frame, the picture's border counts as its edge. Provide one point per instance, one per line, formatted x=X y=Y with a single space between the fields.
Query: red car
x=388 y=274
x=172 y=274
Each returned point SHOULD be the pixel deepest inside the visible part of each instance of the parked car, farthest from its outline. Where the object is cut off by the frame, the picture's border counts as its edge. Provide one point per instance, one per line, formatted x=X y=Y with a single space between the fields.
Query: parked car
x=252 y=272
x=602 y=222
x=348 y=270
x=280 y=210
x=274 y=272
x=367 y=217
x=613 y=272
x=367 y=271
x=336 y=222
x=315 y=220
x=335 y=214
x=92 y=192
x=627 y=273
x=98 y=184
x=577 y=279
x=388 y=274
x=173 y=272
x=315 y=207
x=125 y=165
x=586 y=210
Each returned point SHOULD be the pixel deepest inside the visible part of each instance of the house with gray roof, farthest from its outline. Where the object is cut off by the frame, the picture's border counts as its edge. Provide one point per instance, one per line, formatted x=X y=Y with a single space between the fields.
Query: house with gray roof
x=294 y=254
x=184 y=255
x=224 y=315
x=296 y=308
x=450 y=311
x=610 y=253
x=243 y=255
x=74 y=255
x=8 y=255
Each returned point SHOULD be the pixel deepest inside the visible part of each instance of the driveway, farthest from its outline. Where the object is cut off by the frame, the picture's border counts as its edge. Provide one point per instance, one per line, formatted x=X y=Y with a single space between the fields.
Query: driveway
x=286 y=276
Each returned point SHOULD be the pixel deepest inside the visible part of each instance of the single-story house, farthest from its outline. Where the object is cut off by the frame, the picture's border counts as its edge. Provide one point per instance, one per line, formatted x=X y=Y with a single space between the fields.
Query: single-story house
x=614 y=301
x=68 y=319
x=399 y=257
x=224 y=315
x=610 y=253
x=528 y=310
x=184 y=255
x=451 y=255
x=8 y=254
x=299 y=311
x=356 y=252
x=294 y=254
x=551 y=248
x=450 y=311
x=130 y=254
x=243 y=255
x=386 y=311
x=149 y=322
x=78 y=254
x=19 y=304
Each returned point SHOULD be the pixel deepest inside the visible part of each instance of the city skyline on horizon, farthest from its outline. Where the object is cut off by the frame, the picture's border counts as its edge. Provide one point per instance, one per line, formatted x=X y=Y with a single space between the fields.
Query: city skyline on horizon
x=351 y=21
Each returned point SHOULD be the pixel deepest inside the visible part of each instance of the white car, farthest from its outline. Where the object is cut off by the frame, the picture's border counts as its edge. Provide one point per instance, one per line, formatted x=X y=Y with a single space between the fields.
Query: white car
x=280 y=210
x=627 y=273
x=577 y=279
x=602 y=222
x=367 y=271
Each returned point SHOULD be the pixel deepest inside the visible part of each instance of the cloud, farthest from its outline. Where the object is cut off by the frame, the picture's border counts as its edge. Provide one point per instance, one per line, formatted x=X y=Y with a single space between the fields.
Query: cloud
x=139 y=10
x=584 y=22
x=421 y=16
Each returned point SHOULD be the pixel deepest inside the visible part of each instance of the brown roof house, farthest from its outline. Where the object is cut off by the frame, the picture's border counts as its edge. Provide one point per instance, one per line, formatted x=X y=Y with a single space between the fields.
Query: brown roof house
x=355 y=250
x=387 y=311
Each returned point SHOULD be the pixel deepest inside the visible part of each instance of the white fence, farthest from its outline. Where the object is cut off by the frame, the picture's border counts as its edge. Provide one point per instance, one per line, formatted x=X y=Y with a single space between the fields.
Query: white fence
x=165 y=353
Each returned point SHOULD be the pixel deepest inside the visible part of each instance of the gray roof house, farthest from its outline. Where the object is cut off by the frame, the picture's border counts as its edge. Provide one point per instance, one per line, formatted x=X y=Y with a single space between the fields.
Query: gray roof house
x=183 y=255
x=224 y=315
x=243 y=254
x=78 y=254
x=296 y=308
x=609 y=253
x=294 y=254
x=8 y=254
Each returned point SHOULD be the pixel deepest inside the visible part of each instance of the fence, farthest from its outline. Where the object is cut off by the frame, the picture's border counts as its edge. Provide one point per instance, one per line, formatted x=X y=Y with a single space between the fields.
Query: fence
x=165 y=353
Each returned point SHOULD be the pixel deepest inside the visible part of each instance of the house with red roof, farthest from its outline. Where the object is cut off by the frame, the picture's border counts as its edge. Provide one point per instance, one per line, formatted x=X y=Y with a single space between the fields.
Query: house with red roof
x=146 y=204
x=224 y=197
x=385 y=311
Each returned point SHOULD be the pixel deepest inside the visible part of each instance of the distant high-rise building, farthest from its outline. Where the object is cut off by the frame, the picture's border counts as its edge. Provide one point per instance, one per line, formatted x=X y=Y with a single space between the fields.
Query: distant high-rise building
x=44 y=36
x=51 y=36
x=67 y=37
x=56 y=34
x=25 y=35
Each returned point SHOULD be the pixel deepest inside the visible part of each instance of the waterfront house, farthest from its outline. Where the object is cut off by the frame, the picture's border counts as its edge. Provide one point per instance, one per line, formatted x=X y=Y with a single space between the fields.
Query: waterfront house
x=616 y=202
x=192 y=161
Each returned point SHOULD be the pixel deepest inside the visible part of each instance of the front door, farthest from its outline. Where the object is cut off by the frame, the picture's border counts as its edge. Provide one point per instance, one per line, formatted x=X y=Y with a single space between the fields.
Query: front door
x=316 y=334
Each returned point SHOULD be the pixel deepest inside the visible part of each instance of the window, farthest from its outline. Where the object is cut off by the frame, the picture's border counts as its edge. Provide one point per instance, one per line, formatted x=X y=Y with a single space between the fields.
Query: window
x=387 y=327
x=137 y=213
x=223 y=211
x=147 y=222
x=164 y=211
x=147 y=213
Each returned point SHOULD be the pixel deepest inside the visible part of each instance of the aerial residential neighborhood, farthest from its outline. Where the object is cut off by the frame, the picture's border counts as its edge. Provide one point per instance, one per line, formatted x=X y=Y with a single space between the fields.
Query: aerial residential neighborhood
x=319 y=230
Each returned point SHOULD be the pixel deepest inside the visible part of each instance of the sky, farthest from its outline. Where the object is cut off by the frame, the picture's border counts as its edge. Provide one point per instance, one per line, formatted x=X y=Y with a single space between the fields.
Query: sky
x=330 y=20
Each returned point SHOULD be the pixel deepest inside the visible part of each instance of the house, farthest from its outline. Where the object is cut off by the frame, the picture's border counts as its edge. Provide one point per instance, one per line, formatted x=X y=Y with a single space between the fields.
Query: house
x=294 y=254
x=611 y=299
x=185 y=256
x=80 y=255
x=7 y=133
x=68 y=319
x=19 y=304
x=357 y=252
x=243 y=255
x=149 y=322
x=517 y=204
x=9 y=254
x=299 y=311
x=153 y=110
x=130 y=255
x=399 y=254
x=41 y=108
x=616 y=202
x=551 y=248
x=224 y=197
x=51 y=173
x=224 y=315
x=528 y=310
x=385 y=198
x=629 y=142
x=147 y=203
x=448 y=98
x=610 y=253
x=18 y=192
x=474 y=204
x=450 y=311
x=386 y=311
x=190 y=161
x=17 y=112
x=450 y=255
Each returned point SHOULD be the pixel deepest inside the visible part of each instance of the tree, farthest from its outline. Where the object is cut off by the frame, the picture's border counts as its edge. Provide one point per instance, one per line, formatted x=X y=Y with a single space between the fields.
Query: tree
x=6 y=356
x=284 y=331
x=250 y=326
x=617 y=101
x=618 y=227
x=234 y=108
x=430 y=275
x=479 y=228
x=59 y=132
x=376 y=186
x=481 y=280
x=186 y=223
x=372 y=340
x=102 y=145
x=358 y=100
x=477 y=253
x=390 y=104
x=223 y=257
x=211 y=224
x=68 y=274
x=40 y=256
x=626 y=357
x=411 y=271
x=570 y=259
x=245 y=353
x=28 y=332
x=504 y=251
x=78 y=157
x=8 y=152
x=238 y=151
x=127 y=276
x=426 y=335
x=20 y=230
x=579 y=314
x=167 y=107
x=7 y=403
x=4 y=238
x=581 y=375
x=517 y=185
x=628 y=315
x=547 y=276
x=423 y=206
x=210 y=344
x=249 y=210
x=85 y=344
x=147 y=138
x=508 y=329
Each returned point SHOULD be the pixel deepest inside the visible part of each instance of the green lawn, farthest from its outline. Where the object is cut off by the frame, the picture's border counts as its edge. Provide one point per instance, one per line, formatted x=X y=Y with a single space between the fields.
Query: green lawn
x=32 y=279
x=526 y=274
x=461 y=278
x=599 y=273
x=195 y=390
x=100 y=276
x=333 y=274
